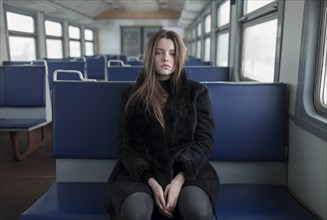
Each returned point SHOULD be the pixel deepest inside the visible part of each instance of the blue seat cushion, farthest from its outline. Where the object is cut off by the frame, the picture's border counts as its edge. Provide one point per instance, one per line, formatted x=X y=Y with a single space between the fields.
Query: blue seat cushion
x=235 y=201
x=20 y=123
x=77 y=201
x=258 y=202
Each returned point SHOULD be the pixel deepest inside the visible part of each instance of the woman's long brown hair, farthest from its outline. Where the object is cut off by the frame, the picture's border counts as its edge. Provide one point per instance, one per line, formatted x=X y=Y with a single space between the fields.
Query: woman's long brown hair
x=148 y=90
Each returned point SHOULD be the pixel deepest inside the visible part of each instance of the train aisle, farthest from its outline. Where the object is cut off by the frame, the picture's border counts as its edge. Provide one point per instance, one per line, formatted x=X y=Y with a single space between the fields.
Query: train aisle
x=22 y=182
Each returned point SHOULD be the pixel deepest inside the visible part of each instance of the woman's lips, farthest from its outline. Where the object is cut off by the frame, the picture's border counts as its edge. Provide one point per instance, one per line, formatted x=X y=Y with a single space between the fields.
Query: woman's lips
x=165 y=66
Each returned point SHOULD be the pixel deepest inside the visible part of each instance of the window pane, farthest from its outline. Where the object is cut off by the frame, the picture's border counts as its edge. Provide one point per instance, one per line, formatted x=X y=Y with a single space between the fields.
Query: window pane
x=89 y=49
x=193 y=33
x=53 y=29
x=193 y=49
x=54 y=48
x=17 y=22
x=207 y=24
x=198 y=54
x=207 y=49
x=74 y=48
x=252 y=5
x=259 y=45
x=222 y=49
x=199 y=27
x=323 y=85
x=74 y=32
x=223 y=14
x=88 y=34
x=22 y=48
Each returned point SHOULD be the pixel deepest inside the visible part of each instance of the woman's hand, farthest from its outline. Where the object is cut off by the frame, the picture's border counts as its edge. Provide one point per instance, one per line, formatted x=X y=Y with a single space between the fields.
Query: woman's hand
x=172 y=191
x=159 y=198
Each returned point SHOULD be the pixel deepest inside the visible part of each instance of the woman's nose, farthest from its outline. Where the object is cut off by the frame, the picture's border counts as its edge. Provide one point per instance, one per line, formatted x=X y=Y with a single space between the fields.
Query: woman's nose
x=165 y=58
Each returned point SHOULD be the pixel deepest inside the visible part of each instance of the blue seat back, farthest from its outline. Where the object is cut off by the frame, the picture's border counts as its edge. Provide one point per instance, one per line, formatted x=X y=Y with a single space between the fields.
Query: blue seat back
x=207 y=73
x=54 y=65
x=96 y=67
x=250 y=121
x=22 y=86
x=130 y=73
x=192 y=61
x=87 y=113
x=121 y=57
x=15 y=63
x=198 y=73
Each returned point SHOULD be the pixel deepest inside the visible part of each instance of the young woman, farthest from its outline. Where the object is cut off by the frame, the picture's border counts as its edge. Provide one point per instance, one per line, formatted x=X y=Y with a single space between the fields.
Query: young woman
x=165 y=140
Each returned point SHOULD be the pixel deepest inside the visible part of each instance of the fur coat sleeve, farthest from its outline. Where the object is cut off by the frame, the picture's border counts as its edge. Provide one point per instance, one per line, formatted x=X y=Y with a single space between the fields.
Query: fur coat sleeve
x=196 y=153
x=133 y=159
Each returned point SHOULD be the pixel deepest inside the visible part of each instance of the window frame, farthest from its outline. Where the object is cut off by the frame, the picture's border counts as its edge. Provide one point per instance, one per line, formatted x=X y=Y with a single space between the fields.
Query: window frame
x=51 y=37
x=79 y=40
x=321 y=57
x=274 y=9
x=306 y=115
x=9 y=33
x=220 y=30
x=89 y=41
x=207 y=37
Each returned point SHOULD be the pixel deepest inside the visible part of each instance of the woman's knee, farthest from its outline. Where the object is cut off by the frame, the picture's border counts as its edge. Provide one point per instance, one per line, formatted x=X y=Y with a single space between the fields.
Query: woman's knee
x=137 y=206
x=194 y=204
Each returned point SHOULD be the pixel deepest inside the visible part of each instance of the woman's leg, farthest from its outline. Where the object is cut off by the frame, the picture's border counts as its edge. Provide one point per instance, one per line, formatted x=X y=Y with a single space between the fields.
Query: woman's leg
x=137 y=206
x=194 y=204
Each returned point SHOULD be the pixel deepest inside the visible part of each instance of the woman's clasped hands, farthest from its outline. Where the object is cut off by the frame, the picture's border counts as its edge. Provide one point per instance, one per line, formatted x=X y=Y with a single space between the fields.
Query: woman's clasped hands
x=166 y=200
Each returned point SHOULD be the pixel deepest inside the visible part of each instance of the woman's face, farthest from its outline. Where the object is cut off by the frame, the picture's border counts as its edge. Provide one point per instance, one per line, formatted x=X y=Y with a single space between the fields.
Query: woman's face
x=164 y=58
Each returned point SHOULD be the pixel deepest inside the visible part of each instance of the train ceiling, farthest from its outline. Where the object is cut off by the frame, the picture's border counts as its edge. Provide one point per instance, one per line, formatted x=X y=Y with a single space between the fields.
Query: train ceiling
x=93 y=12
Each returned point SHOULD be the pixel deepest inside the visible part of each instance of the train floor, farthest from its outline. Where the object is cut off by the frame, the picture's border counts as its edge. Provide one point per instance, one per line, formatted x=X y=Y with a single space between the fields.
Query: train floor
x=23 y=182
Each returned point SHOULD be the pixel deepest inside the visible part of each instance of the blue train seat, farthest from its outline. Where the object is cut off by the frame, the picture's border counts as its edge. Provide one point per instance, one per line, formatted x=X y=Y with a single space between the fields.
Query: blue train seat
x=249 y=155
x=119 y=73
x=24 y=104
x=207 y=73
x=53 y=65
x=96 y=67
x=198 y=73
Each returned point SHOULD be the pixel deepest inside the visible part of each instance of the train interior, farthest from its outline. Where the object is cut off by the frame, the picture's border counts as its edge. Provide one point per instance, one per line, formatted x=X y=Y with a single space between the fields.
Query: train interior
x=276 y=100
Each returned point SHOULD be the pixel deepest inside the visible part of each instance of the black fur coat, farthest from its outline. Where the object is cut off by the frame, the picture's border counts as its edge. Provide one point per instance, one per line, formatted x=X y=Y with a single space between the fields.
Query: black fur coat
x=147 y=150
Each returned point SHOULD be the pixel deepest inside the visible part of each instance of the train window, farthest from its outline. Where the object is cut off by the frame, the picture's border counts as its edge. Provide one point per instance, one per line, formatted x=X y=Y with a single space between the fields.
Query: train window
x=53 y=28
x=88 y=35
x=21 y=30
x=193 y=34
x=21 y=23
x=207 y=42
x=193 y=52
x=321 y=88
x=74 y=49
x=54 y=39
x=311 y=100
x=222 y=33
x=222 y=49
x=74 y=34
x=199 y=30
x=207 y=38
x=259 y=43
x=250 y=5
x=259 y=25
x=54 y=48
x=223 y=12
x=89 y=42
x=198 y=49
x=207 y=24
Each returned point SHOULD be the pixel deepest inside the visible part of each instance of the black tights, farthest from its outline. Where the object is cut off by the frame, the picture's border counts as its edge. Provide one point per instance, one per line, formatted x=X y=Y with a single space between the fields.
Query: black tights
x=193 y=204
